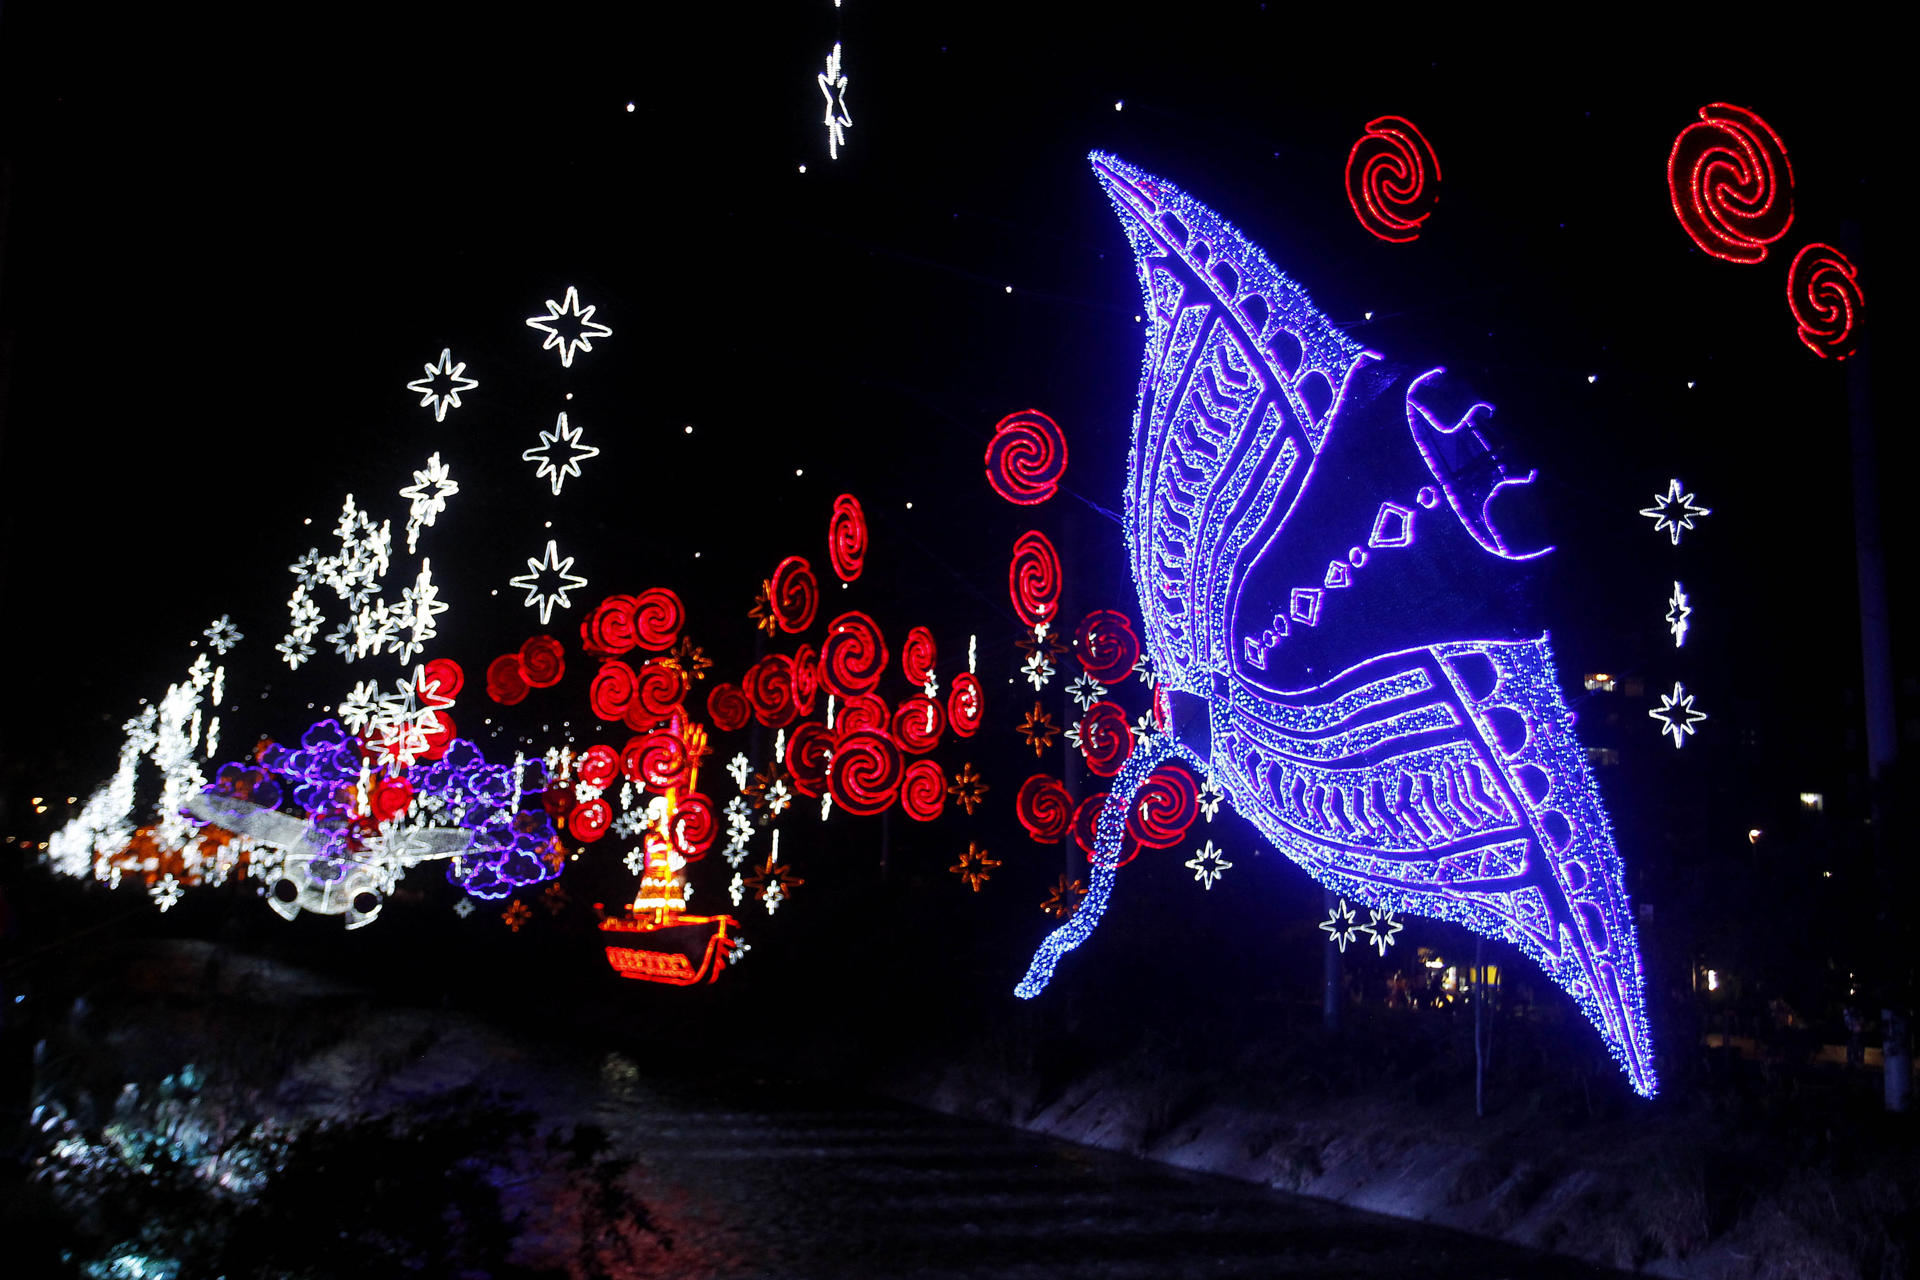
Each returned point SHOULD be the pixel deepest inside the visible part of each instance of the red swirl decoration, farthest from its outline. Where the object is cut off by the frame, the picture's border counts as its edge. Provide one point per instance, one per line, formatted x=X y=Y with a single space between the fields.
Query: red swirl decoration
x=1033 y=578
x=917 y=723
x=964 y=706
x=727 y=707
x=440 y=737
x=847 y=537
x=1823 y=289
x=443 y=678
x=853 y=656
x=867 y=711
x=1043 y=808
x=1086 y=823
x=1731 y=183
x=692 y=826
x=864 y=775
x=1393 y=179
x=794 y=594
x=590 y=821
x=659 y=688
x=612 y=690
x=769 y=689
x=806 y=678
x=608 y=630
x=543 y=660
x=923 y=791
x=1026 y=457
x=808 y=749
x=597 y=765
x=658 y=616
x=1106 y=738
x=1164 y=808
x=658 y=760
x=505 y=684
x=917 y=656
x=1107 y=646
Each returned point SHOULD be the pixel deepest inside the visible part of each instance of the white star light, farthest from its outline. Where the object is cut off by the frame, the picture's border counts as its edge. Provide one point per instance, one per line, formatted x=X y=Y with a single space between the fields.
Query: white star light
x=555 y=463
x=420 y=604
x=932 y=687
x=1073 y=736
x=538 y=569
x=636 y=860
x=1144 y=668
x=737 y=887
x=1210 y=797
x=427 y=497
x=358 y=708
x=778 y=798
x=1674 y=511
x=441 y=401
x=739 y=767
x=1678 y=610
x=1038 y=669
x=1380 y=929
x=1086 y=691
x=463 y=908
x=833 y=87
x=222 y=635
x=740 y=949
x=1339 y=926
x=1144 y=728
x=165 y=892
x=1676 y=715
x=568 y=328
x=1208 y=863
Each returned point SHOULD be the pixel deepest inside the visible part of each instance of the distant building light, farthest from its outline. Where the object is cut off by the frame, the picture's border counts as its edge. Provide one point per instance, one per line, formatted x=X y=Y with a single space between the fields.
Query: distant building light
x=1713 y=979
x=1601 y=681
x=1813 y=802
x=1753 y=835
x=1597 y=756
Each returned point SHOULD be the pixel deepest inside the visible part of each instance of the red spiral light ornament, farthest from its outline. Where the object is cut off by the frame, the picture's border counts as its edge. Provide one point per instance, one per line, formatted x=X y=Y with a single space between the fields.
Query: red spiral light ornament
x=1393 y=179
x=1164 y=807
x=727 y=707
x=865 y=773
x=923 y=791
x=853 y=656
x=505 y=684
x=917 y=723
x=863 y=712
x=658 y=760
x=613 y=689
x=847 y=537
x=1026 y=457
x=589 y=821
x=1823 y=290
x=1033 y=578
x=769 y=689
x=917 y=656
x=1086 y=824
x=1106 y=739
x=1044 y=808
x=543 y=660
x=964 y=704
x=806 y=678
x=608 y=630
x=793 y=594
x=692 y=826
x=597 y=765
x=1731 y=183
x=1107 y=646
x=658 y=616
x=809 y=747
x=443 y=678
x=659 y=688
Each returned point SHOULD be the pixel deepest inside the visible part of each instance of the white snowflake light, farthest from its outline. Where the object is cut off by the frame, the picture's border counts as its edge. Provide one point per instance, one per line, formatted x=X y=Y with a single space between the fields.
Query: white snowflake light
x=539 y=571
x=1208 y=863
x=294 y=651
x=440 y=389
x=427 y=497
x=1674 y=511
x=559 y=453
x=568 y=327
x=740 y=949
x=420 y=604
x=833 y=87
x=636 y=860
x=222 y=635
x=737 y=888
x=165 y=892
x=1676 y=715
x=738 y=768
x=1678 y=611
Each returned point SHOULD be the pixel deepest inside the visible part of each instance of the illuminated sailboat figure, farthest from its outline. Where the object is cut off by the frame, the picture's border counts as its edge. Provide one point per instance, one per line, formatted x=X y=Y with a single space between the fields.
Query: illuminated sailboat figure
x=1340 y=627
x=655 y=940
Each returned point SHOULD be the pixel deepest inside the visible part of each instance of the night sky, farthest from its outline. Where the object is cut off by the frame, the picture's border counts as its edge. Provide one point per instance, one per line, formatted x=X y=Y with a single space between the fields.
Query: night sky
x=227 y=251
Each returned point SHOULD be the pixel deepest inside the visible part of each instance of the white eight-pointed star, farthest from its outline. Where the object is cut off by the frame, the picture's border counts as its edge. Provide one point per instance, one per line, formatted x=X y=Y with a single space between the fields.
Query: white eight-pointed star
x=537 y=570
x=833 y=87
x=1676 y=714
x=568 y=327
x=441 y=388
x=1673 y=511
x=1678 y=611
x=559 y=453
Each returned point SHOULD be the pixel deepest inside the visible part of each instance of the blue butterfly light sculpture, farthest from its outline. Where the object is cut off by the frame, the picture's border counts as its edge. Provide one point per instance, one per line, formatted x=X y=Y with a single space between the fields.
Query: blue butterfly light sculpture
x=1431 y=777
